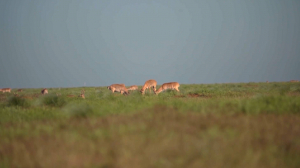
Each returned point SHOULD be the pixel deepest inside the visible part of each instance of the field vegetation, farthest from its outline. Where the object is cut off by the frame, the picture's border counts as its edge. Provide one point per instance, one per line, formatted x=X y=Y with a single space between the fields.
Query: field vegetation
x=205 y=125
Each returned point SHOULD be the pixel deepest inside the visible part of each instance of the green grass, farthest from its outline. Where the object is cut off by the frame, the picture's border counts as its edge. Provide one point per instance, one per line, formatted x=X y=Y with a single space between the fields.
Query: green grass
x=205 y=125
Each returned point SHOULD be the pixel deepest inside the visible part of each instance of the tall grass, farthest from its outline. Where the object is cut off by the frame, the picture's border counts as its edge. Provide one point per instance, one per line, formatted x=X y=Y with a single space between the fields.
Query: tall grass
x=204 y=125
x=53 y=100
x=17 y=101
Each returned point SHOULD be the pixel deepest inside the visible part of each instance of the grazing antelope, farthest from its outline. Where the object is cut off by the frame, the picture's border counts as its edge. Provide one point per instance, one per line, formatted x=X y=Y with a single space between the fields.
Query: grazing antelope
x=6 y=90
x=118 y=88
x=133 y=87
x=82 y=94
x=170 y=85
x=44 y=91
x=148 y=85
x=122 y=84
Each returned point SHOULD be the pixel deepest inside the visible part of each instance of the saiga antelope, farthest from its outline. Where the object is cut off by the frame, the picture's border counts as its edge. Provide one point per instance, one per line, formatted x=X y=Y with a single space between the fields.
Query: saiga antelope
x=44 y=91
x=148 y=85
x=6 y=90
x=118 y=88
x=170 y=85
x=82 y=94
x=133 y=87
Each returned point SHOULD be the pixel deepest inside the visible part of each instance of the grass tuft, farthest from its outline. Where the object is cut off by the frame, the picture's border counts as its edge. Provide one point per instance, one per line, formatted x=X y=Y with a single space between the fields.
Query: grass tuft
x=18 y=101
x=53 y=100
x=78 y=110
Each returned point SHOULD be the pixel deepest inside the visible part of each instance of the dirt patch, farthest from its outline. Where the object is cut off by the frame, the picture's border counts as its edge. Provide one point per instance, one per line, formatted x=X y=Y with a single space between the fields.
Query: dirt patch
x=179 y=96
x=27 y=97
x=194 y=95
x=71 y=96
x=36 y=95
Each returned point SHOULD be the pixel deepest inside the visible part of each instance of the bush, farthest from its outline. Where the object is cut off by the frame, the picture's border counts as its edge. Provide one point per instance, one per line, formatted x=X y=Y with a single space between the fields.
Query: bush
x=53 y=100
x=18 y=101
x=78 y=110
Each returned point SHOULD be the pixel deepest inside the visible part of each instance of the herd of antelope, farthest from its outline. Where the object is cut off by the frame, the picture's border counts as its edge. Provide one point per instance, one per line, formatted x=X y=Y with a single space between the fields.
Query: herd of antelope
x=149 y=84
x=5 y=90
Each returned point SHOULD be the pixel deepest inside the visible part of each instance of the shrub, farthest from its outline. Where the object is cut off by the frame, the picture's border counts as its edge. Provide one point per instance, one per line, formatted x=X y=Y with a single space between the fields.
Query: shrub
x=53 y=100
x=78 y=110
x=18 y=101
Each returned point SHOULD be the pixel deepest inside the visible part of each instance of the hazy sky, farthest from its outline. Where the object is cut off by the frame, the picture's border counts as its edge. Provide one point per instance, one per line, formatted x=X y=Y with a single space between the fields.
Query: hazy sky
x=66 y=43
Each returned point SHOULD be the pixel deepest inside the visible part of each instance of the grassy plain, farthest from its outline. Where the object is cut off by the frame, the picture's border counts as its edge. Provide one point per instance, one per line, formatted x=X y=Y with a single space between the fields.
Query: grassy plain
x=205 y=125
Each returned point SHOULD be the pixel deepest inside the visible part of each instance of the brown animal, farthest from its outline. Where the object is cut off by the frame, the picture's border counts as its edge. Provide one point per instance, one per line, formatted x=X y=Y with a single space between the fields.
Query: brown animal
x=20 y=90
x=6 y=90
x=133 y=87
x=170 y=85
x=118 y=88
x=82 y=94
x=44 y=91
x=294 y=81
x=148 y=85
x=122 y=84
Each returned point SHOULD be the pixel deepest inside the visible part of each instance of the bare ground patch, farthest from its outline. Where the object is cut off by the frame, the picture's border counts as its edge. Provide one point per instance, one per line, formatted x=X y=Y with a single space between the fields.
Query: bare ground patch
x=193 y=95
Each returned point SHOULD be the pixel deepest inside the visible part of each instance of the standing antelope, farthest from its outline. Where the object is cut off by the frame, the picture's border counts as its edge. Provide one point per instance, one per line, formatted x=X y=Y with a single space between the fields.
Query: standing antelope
x=133 y=87
x=118 y=88
x=170 y=85
x=82 y=94
x=148 y=85
x=44 y=91
x=6 y=90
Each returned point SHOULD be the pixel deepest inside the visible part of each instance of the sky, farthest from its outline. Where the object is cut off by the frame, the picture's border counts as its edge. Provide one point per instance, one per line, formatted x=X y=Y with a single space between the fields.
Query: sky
x=73 y=43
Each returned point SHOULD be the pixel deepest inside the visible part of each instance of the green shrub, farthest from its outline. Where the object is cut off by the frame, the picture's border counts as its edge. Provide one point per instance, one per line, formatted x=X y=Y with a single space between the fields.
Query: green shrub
x=78 y=110
x=53 y=100
x=18 y=101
